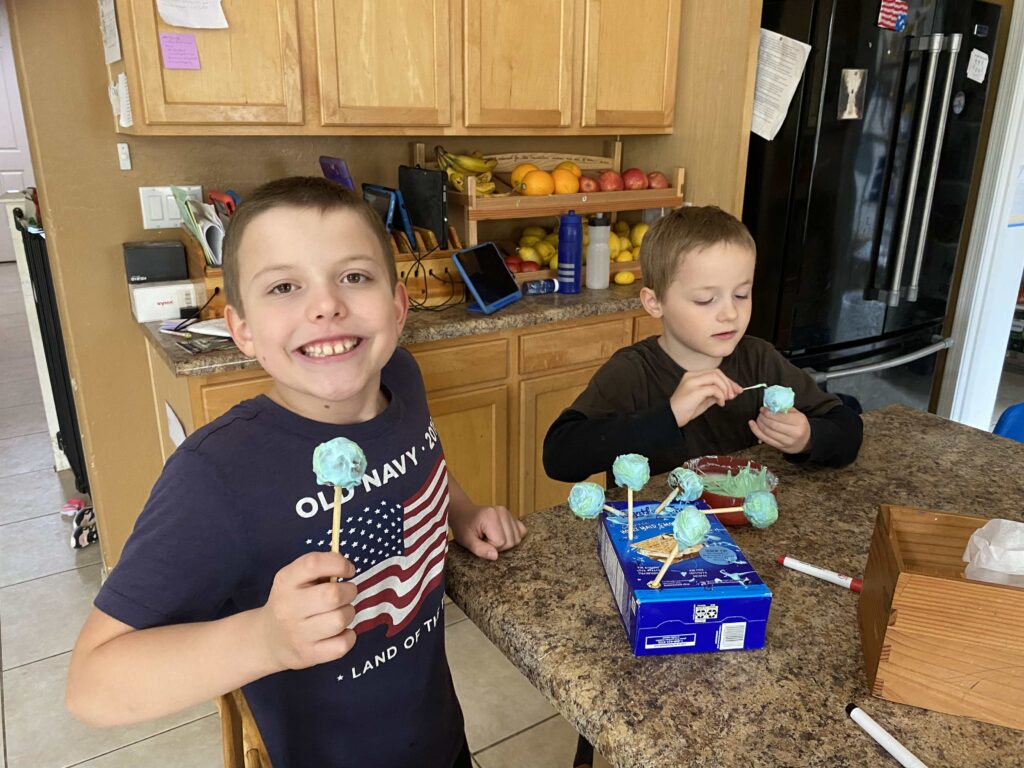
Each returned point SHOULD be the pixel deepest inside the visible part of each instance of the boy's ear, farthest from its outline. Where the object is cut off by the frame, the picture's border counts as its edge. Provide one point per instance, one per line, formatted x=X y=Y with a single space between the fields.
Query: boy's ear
x=401 y=305
x=239 y=330
x=649 y=301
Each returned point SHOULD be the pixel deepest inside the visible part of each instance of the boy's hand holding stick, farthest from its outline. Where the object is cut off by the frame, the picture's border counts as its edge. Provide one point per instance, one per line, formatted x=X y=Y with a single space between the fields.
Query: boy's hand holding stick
x=698 y=391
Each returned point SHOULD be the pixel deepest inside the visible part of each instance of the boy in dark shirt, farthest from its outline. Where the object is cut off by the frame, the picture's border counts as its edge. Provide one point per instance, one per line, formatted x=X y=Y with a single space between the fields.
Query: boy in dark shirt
x=679 y=395
x=228 y=579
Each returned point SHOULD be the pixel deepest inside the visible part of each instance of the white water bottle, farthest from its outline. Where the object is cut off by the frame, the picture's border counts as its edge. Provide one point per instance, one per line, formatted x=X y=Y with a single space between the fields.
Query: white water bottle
x=598 y=255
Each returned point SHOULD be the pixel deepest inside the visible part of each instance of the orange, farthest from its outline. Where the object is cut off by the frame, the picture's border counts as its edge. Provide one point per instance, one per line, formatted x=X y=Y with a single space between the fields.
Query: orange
x=520 y=171
x=569 y=165
x=566 y=183
x=536 y=183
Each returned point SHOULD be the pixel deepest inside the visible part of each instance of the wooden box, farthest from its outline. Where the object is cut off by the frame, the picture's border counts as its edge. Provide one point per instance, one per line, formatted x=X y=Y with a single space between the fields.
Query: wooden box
x=212 y=277
x=931 y=638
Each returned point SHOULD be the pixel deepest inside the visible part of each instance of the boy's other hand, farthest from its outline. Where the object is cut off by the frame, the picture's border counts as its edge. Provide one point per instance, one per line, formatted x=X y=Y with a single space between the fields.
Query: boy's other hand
x=488 y=531
x=306 y=617
x=790 y=432
x=698 y=391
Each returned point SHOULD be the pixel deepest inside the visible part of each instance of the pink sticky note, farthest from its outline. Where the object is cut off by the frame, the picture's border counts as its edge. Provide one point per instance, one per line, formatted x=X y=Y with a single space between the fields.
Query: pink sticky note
x=179 y=50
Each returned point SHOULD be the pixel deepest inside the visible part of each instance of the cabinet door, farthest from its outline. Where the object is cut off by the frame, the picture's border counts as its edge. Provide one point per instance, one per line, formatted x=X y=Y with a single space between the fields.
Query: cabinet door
x=384 y=62
x=518 y=63
x=473 y=428
x=626 y=84
x=541 y=401
x=248 y=73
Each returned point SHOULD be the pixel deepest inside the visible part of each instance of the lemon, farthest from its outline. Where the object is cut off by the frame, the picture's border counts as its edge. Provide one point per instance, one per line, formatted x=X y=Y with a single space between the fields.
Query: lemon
x=546 y=250
x=534 y=231
x=621 y=227
x=636 y=235
x=552 y=238
x=624 y=278
x=529 y=253
x=624 y=256
x=528 y=240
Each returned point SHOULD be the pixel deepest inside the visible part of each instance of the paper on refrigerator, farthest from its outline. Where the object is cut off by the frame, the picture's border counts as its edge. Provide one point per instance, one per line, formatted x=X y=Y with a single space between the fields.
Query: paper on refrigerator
x=780 y=65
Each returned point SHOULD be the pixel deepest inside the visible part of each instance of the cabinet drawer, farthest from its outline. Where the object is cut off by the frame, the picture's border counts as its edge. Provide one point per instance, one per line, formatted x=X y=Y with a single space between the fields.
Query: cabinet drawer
x=456 y=365
x=644 y=325
x=578 y=345
x=217 y=399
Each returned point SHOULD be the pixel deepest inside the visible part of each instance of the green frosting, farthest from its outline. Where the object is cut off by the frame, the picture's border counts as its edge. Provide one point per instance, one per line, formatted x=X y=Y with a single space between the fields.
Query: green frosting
x=586 y=500
x=761 y=509
x=778 y=399
x=339 y=462
x=690 y=527
x=744 y=482
x=631 y=470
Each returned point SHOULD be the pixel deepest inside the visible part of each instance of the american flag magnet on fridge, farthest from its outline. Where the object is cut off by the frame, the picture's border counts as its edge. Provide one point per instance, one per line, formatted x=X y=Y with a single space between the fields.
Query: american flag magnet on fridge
x=893 y=15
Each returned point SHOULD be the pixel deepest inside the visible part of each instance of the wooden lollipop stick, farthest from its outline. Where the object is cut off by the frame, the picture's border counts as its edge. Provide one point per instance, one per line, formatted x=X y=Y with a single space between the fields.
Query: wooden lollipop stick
x=629 y=501
x=753 y=386
x=656 y=584
x=668 y=500
x=336 y=519
x=720 y=510
x=611 y=509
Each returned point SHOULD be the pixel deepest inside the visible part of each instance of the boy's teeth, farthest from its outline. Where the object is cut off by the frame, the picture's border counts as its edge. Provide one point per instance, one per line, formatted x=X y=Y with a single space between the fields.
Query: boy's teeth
x=329 y=348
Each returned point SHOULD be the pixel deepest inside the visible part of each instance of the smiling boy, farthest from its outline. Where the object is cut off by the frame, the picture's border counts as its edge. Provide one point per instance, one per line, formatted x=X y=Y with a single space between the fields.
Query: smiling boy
x=227 y=580
x=679 y=395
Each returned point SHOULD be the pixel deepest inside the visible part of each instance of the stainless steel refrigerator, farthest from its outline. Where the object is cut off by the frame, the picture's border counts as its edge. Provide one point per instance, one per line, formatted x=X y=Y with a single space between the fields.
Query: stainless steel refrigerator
x=861 y=205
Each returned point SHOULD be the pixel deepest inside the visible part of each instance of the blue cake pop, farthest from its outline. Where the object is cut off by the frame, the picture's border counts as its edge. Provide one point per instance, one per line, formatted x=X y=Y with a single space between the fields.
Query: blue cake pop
x=687 y=482
x=761 y=509
x=778 y=399
x=586 y=500
x=690 y=527
x=632 y=471
x=339 y=462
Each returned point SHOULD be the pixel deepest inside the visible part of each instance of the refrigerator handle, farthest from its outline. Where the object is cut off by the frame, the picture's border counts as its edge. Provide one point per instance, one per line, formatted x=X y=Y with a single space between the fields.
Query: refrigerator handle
x=953 y=46
x=938 y=344
x=933 y=45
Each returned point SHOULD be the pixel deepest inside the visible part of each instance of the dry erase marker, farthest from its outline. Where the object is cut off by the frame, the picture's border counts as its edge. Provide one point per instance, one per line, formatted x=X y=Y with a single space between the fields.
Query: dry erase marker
x=812 y=570
x=885 y=739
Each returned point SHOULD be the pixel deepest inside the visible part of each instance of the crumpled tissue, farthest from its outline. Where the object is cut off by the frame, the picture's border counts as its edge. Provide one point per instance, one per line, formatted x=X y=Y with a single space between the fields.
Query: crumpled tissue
x=995 y=553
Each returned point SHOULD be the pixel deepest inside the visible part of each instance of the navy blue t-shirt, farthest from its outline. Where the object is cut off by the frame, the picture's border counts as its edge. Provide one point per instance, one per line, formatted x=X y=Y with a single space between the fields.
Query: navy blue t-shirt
x=238 y=501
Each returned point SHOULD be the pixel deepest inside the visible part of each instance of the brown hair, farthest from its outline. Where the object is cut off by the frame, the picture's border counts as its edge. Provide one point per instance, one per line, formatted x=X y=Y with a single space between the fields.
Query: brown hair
x=299 y=192
x=684 y=231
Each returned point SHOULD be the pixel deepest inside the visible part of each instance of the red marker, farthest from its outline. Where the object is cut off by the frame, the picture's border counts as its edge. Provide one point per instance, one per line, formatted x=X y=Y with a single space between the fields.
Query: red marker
x=812 y=570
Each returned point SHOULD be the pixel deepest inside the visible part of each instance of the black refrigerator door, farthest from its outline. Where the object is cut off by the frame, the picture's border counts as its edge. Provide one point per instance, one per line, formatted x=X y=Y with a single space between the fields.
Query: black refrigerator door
x=818 y=194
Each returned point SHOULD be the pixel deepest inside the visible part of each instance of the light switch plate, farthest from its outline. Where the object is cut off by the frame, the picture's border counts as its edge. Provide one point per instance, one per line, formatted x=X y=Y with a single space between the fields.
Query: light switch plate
x=159 y=210
x=124 y=157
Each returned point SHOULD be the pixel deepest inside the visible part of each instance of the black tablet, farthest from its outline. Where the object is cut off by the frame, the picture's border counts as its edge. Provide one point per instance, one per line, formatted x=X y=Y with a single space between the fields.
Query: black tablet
x=391 y=206
x=487 y=278
x=426 y=195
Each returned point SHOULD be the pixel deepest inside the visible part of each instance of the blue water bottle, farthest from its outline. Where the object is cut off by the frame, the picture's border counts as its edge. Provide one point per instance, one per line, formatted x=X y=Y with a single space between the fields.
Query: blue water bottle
x=570 y=252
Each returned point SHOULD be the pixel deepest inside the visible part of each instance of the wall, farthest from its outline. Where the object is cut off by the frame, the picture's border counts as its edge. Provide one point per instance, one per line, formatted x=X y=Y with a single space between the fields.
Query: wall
x=89 y=208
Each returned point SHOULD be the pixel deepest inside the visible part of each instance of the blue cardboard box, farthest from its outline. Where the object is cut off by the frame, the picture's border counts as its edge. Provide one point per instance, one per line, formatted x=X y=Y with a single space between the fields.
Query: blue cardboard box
x=712 y=601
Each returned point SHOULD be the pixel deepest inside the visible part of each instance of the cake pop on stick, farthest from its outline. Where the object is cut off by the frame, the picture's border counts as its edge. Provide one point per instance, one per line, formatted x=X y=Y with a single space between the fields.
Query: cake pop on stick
x=685 y=482
x=759 y=507
x=631 y=471
x=341 y=463
x=586 y=500
x=778 y=399
x=689 y=529
x=753 y=386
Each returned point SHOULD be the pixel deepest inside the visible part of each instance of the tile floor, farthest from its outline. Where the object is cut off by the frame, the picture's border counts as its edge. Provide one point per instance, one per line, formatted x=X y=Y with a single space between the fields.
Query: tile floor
x=46 y=591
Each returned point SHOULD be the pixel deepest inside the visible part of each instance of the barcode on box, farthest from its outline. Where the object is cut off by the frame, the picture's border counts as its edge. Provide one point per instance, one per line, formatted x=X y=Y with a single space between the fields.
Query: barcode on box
x=616 y=578
x=732 y=635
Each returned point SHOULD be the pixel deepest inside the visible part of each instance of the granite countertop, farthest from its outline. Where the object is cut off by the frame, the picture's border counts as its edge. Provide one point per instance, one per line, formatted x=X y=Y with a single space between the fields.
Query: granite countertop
x=423 y=326
x=548 y=607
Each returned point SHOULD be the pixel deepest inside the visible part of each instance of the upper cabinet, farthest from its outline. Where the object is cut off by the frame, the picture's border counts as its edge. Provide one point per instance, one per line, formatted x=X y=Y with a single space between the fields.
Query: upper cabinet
x=249 y=74
x=519 y=63
x=635 y=87
x=383 y=62
x=481 y=67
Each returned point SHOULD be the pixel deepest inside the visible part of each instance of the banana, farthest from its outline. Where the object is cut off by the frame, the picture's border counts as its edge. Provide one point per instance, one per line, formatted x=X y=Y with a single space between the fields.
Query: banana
x=457 y=179
x=485 y=188
x=458 y=167
x=470 y=164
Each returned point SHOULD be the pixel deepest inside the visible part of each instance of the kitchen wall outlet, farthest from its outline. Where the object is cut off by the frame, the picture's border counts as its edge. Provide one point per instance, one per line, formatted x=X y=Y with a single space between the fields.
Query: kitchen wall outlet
x=159 y=210
x=124 y=157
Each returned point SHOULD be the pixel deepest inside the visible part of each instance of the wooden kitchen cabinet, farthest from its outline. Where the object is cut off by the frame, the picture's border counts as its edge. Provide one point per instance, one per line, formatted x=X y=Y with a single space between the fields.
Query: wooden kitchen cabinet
x=249 y=74
x=384 y=62
x=519 y=63
x=635 y=87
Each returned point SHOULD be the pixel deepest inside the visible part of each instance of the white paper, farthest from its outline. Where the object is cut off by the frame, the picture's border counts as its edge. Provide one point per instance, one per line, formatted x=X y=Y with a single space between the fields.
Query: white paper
x=977 y=66
x=124 y=102
x=175 y=430
x=108 y=26
x=115 y=98
x=995 y=553
x=1017 y=203
x=195 y=14
x=780 y=65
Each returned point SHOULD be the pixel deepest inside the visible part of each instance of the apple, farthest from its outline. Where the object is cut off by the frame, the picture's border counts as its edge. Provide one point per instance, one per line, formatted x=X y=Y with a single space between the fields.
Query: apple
x=610 y=181
x=514 y=266
x=512 y=259
x=589 y=184
x=529 y=266
x=657 y=180
x=634 y=178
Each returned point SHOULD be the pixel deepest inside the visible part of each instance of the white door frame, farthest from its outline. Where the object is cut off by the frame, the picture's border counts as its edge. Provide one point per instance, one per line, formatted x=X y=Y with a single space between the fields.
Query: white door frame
x=995 y=257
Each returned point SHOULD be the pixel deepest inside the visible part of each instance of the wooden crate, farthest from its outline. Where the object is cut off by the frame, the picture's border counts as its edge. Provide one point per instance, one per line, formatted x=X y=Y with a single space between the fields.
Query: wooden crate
x=428 y=273
x=931 y=638
x=212 y=277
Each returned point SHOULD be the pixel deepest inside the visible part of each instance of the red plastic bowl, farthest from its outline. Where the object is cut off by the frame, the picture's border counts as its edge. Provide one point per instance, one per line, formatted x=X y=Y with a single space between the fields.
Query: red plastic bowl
x=719 y=465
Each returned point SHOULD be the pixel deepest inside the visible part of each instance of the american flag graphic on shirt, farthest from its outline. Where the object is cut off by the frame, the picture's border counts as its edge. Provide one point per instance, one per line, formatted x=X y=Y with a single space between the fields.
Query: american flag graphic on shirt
x=398 y=551
x=893 y=15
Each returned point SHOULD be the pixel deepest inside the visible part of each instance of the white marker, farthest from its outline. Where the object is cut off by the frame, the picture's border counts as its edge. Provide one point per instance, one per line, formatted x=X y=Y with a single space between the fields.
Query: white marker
x=885 y=739
x=812 y=570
